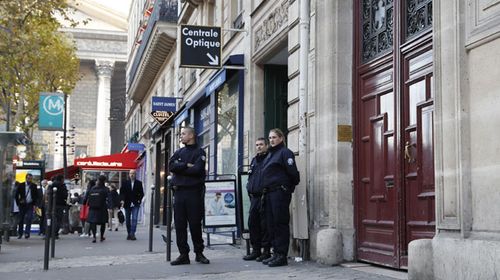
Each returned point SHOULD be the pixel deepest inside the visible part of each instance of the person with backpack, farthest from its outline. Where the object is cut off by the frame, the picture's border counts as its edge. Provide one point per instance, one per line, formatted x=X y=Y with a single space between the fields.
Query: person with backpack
x=279 y=178
x=98 y=207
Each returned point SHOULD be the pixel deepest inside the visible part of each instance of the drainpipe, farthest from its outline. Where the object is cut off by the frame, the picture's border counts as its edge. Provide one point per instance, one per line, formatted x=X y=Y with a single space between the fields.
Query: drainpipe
x=303 y=98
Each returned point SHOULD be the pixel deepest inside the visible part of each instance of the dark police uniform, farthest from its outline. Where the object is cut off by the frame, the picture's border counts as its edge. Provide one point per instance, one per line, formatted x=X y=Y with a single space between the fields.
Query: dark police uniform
x=279 y=178
x=256 y=219
x=189 y=186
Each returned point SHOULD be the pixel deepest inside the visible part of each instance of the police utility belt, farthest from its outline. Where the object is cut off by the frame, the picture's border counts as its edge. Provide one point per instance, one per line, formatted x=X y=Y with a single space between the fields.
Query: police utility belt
x=274 y=188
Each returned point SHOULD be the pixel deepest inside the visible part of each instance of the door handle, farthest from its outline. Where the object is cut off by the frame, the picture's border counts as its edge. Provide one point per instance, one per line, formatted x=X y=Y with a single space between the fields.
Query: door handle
x=408 y=152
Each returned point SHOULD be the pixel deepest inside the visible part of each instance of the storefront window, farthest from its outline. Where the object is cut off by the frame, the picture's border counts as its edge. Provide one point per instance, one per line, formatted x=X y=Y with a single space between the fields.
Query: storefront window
x=227 y=127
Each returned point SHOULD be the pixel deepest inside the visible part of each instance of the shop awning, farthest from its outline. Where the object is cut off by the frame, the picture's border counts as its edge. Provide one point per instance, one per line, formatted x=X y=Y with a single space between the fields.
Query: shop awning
x=120 y=161
x=72 y=170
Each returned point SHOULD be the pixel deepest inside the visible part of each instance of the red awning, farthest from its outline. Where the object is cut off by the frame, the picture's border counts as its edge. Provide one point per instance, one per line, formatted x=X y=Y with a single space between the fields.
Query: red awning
x=121 y=161
x=72 y=170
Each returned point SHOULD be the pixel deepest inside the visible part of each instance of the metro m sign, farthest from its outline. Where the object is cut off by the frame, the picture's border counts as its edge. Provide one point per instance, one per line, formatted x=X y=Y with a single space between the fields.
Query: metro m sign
x=51 y=111
x=200 y=46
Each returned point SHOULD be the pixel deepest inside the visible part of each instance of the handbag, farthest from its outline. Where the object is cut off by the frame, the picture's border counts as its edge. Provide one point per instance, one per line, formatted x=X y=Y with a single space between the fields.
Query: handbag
x=121 y=217
x=84 y=212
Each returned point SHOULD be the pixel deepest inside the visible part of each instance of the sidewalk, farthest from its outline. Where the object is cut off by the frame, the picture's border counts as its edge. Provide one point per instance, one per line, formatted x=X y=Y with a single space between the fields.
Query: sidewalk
x=118 y=258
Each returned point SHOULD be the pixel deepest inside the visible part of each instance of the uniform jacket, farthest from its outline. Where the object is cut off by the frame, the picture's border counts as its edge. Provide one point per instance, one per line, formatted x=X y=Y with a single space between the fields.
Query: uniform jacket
x=280 y=169
x=254 y=184
x=20 y=193
x=129 y=196
x=184 y=176
x=99 y=215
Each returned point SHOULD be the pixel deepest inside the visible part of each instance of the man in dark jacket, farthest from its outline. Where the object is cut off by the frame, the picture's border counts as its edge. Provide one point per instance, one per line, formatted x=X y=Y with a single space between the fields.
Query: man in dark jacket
x=26 y=196
x=131 y=194
x=188 y=168
x=256 y=218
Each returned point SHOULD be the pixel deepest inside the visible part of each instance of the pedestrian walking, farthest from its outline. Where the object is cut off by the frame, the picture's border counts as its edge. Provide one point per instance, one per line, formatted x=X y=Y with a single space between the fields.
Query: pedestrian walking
x=61 y=201
x=98 y=208
x=259 y=238
x=187 y=165
x=84 y=207
x=279 y=178
x=26 y=196
x=113 y=206
x=42 y=203
x=131 y=194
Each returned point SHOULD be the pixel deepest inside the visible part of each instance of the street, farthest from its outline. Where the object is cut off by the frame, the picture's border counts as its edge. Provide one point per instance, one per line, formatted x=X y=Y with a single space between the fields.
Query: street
x=117 y=258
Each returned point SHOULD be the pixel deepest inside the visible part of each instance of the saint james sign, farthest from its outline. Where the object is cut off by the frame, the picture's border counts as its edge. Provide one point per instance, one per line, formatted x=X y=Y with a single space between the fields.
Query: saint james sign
x=200 y=46
x=162 y=108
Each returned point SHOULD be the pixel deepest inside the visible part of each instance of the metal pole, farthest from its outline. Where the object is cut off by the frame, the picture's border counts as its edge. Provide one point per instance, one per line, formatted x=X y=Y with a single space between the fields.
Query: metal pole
x=48 y=225
x=54 y=223
x=151 y=218
x=65 y=155
x=169 y=218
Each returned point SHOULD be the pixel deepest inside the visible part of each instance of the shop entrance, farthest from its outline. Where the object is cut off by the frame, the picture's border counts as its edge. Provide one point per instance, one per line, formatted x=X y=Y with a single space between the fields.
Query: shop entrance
x=393 y=114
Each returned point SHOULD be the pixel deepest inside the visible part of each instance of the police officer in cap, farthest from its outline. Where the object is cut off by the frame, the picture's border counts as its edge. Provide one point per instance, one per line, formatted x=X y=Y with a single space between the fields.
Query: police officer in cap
x=256 y=218
x=188 y=168
x=279 y=178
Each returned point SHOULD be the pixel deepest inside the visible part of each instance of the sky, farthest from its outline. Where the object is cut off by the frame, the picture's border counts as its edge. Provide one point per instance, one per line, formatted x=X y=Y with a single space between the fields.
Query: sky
x=120 y=6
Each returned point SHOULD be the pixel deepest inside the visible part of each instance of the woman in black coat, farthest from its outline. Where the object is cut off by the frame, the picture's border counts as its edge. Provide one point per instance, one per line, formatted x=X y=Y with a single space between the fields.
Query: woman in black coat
x=98 y=208
x=279 y=178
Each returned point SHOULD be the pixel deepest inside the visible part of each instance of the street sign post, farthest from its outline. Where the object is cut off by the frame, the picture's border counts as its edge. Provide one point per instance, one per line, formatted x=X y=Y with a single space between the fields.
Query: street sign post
x=200 y=46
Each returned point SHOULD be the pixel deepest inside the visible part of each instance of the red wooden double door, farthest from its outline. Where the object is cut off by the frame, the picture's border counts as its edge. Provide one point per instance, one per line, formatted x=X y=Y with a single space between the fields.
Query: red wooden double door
x=393 y=136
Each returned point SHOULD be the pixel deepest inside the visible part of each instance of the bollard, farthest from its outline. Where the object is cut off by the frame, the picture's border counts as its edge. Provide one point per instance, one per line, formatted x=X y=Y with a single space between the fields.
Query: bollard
x=151 y=220
x=48 y=226
x=54 y=223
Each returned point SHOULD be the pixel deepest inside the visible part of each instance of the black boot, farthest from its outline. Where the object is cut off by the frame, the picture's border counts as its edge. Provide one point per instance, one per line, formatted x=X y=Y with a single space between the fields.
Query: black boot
x=271 y=258
x=201 y=258
x=280 y=260
x=252 y=256
x=265 y=255
x=182 y=259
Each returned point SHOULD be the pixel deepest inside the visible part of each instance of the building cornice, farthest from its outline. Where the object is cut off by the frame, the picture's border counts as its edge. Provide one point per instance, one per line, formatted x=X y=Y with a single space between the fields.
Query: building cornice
x=158 y=49
x=101 y=12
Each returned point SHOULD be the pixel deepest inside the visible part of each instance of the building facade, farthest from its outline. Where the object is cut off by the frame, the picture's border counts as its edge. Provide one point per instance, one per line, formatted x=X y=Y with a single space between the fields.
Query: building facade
x=385 y=103
x=97 y=104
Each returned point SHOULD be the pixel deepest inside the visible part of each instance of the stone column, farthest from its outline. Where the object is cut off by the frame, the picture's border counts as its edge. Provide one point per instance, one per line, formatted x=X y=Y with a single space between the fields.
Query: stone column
x=332 y=191
x=104 y=69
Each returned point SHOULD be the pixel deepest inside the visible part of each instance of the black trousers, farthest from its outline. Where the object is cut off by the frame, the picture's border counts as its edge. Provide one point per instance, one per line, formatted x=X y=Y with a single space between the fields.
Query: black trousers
x=257 y=225
x=188 y=210
x=93 y=229
x=25 y=217
x=43 y=220
x=58 y=223
x=278 y=220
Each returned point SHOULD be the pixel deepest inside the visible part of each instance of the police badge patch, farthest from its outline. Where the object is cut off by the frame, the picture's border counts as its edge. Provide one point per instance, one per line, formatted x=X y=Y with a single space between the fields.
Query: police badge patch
x=290 y=161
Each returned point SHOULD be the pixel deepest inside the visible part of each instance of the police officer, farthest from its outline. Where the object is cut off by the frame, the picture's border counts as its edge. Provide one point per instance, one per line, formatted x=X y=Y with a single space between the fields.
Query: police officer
x=188 y=168
x=256 y=218
x=279 y=178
